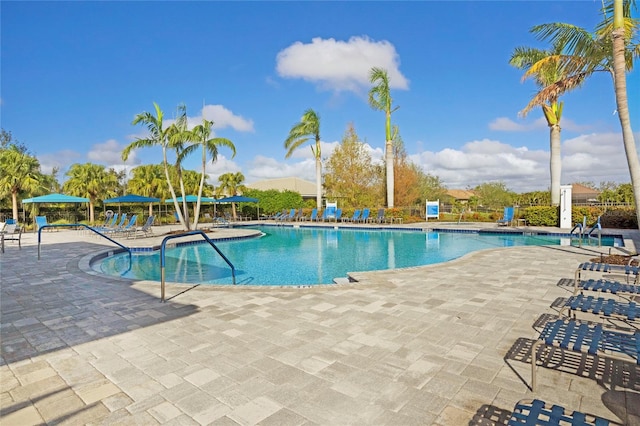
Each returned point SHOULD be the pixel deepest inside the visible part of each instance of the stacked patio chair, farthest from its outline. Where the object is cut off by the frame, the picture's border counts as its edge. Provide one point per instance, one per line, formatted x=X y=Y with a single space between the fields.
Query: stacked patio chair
x=537 y=412
x=617 y=339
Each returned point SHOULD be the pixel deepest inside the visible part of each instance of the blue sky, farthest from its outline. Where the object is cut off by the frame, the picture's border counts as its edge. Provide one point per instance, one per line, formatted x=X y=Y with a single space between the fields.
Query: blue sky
x=74 y=75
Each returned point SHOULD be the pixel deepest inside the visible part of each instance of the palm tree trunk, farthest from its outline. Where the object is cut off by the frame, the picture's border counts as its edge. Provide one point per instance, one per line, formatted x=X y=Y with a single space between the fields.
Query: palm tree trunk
x=318 y=182
x=91 y=215
x=555 y=164
x=390 y=177
x=620 y=81
x=204 y=166
x=14 y=201
x=187 y=221
x=171 y=190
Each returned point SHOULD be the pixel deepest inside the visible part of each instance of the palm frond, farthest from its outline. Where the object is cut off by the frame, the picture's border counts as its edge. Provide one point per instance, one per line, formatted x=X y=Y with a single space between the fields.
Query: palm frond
x=552 y=92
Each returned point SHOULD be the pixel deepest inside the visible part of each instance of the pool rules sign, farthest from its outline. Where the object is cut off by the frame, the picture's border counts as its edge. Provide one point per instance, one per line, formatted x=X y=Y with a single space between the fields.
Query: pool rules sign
x=432 y=210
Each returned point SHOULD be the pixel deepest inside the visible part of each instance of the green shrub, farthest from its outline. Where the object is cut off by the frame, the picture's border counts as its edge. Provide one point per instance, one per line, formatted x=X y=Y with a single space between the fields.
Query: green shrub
x=541 y=215
x=624 y=218
x=619 y=217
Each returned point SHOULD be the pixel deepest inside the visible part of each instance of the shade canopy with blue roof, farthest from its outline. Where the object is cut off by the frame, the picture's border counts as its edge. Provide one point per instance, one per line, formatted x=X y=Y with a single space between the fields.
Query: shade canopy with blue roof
x=192 y=199
x=131 y=198
x=237 y=199
x=55 y=198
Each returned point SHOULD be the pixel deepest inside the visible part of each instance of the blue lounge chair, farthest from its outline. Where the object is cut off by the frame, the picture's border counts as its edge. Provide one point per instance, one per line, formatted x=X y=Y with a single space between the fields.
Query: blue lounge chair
x=144 y=230
x=606 y=286
x=354 y=217
x=600 y=306
x=337 y=216
x=288 y=216
x=40 y=222
x=364 y=218
x=592 y=339
x=606 y=268
x=536 y=412
x=119 y=225
x=314 y=215
x=126 y=228
x=329 y=213
x=507 y=217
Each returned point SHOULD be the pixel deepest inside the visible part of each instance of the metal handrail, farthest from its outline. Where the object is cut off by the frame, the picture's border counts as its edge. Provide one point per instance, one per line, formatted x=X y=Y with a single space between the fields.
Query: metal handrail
x=599 y=228
x=211 y=243
x=579 y=226
x=75 y=225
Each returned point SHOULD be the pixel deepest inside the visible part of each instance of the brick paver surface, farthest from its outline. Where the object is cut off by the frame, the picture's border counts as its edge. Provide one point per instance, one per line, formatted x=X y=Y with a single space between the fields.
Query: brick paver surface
x=447 y=344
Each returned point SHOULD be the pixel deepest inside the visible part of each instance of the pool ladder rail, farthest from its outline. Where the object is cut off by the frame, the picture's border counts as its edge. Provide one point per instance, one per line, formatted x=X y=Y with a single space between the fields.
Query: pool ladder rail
x=579 y=231
x=79 y=225
x=186 y=234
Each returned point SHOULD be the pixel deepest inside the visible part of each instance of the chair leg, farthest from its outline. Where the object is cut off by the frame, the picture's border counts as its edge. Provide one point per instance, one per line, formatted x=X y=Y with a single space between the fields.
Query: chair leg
x=534 y=358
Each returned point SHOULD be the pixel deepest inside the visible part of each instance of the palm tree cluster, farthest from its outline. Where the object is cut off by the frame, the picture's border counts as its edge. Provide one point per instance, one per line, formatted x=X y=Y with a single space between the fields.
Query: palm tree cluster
x=183 y=141
x=575 y=56
x=308 y=128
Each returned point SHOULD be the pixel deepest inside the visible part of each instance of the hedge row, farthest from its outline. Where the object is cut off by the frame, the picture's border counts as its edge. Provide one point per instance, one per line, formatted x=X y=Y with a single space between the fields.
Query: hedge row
x=610 y=217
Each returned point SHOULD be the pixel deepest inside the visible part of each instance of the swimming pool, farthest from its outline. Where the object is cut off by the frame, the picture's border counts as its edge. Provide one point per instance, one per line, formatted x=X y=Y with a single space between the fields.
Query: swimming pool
x=311 y=255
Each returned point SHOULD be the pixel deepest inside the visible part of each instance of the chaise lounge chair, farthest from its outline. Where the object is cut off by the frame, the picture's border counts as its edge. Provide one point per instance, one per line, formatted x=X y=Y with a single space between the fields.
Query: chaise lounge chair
x=40 y=222
x=536 y=412
x=11 y=232
x=592 y=339
x=606 y=268
x=380 y=217
x=507 y=217
x=364 y=218
x=606 y=286
x=145 y=230
x=607 y=308
x=354 y=217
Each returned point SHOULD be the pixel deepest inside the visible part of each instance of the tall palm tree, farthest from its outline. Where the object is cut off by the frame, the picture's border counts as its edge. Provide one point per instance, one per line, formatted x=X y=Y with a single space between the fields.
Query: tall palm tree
x=380 y=99
x=301 y=132
x=231 y=184
x=620 y=81
x=91 y=181
x=201 y=136
x=158 y=136
x=524 y=58
x=586 y=54
x=179 y=136
x=19 y=172
x=148 y=180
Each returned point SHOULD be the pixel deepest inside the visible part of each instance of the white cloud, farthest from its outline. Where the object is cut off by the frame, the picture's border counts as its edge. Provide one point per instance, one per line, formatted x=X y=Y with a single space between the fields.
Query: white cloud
x=340 y=65
x=221 y=166
x=223 y=118
x=595 y=158
x=591 y=158
x=304 y=151
x=262 y=167
x=505 y=124
x=109 y=152
x=60 y=159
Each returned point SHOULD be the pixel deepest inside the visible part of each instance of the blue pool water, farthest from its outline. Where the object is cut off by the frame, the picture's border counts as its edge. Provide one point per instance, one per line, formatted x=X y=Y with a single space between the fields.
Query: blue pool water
x=307 y=256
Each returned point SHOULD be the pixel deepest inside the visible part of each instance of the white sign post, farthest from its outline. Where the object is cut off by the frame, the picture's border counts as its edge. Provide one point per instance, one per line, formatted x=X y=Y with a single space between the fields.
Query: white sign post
x=565 y=206
x=432 y=210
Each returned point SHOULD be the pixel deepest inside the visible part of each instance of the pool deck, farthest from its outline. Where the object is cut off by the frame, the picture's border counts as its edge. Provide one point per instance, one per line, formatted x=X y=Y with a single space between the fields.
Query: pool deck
x=446 y=344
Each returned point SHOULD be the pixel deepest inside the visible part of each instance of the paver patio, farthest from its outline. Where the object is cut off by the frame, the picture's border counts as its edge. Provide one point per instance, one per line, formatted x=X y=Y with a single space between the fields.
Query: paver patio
x=446 y=344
